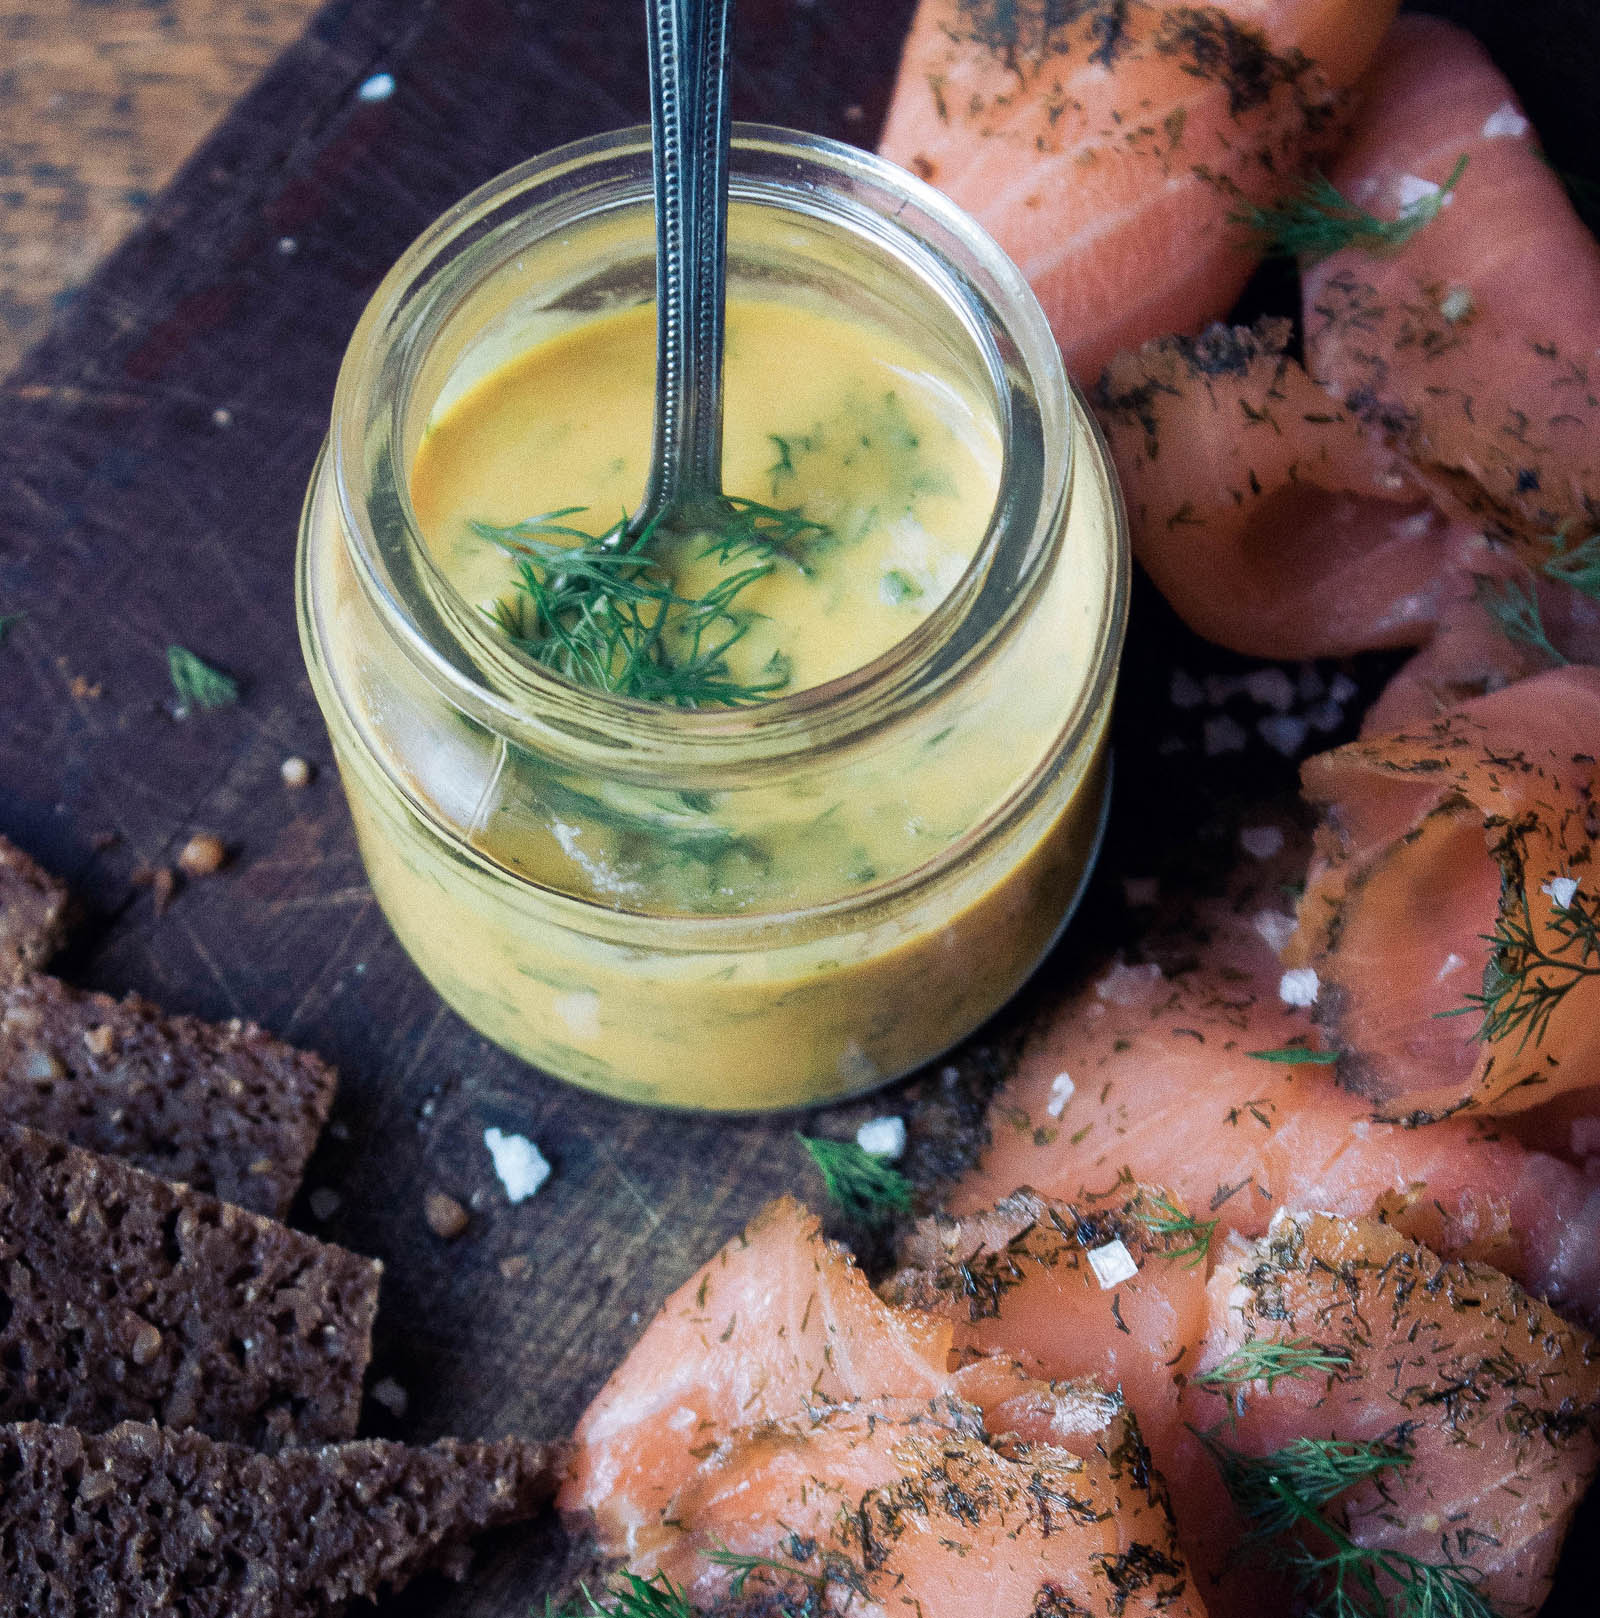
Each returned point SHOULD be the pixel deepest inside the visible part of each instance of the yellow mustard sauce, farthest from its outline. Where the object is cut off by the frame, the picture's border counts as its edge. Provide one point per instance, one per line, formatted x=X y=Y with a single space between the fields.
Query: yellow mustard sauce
x=735 y=928
x=900 y=466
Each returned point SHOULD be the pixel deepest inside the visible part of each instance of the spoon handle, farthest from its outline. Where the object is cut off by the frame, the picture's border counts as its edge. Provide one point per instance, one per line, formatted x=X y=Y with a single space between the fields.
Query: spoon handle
x=690 y=125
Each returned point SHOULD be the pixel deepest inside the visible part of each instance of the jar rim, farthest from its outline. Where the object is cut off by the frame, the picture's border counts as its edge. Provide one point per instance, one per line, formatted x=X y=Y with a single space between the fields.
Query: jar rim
x=455 y=646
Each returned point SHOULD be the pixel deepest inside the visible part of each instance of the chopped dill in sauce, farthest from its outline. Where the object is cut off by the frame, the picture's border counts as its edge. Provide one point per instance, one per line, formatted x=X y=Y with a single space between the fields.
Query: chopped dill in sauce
x=604 y=610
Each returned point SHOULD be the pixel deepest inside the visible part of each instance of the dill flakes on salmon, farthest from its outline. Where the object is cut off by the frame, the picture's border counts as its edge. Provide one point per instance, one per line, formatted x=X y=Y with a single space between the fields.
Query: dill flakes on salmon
x=1267 y=515
x=1105 y=145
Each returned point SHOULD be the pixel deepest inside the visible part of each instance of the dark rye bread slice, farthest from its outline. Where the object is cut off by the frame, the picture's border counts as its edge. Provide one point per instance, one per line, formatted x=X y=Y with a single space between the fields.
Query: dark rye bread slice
x=223 y=1107
x=33 y=911
x=126 y=1298
x=140 y=1522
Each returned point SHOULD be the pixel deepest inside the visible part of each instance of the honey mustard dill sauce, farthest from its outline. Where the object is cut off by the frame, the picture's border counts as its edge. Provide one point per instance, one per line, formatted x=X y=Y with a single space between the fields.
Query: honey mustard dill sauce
x=809 y=862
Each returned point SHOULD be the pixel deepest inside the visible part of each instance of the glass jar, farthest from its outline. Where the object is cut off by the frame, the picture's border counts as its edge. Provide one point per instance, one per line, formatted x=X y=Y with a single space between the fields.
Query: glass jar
x=668 y=905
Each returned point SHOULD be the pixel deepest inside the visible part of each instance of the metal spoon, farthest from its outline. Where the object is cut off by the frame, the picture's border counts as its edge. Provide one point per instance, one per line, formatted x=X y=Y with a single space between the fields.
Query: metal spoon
x=689 y=127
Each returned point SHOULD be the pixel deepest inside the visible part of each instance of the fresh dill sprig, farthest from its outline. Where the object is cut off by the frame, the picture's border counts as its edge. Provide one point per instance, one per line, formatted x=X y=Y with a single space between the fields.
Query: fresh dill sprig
x=866 y=1188
x=1165 y=1218
x=1319 y=219
x=1524 y=980
x=1270 y=1360
x=1514 y=606
x=836 y=1574
x=198 y=684
x=630 y=1597
x=1296 y=1056
x=1269 y=1489
x=1284 y=1496
x=1579 y=567
x=603 y=610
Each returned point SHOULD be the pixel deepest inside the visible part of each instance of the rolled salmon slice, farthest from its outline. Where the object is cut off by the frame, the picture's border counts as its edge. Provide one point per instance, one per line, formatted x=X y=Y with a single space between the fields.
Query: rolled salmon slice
x=1105 y=146
x=1460 y=1411
x=1151 y=1073
x=1472 y=347
x=1451 y=916
x=1270 y=517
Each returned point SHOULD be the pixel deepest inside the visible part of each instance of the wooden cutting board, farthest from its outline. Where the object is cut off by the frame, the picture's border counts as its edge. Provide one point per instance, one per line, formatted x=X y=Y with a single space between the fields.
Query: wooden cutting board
x=153 y=455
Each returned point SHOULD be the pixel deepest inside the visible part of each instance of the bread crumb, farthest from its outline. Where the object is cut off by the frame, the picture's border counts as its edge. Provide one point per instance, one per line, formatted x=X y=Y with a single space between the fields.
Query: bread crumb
x=296 y=772
x=516 y=1268
x=391 y=1396
x=202 y=855
x=162 y=882
x=446 y=1217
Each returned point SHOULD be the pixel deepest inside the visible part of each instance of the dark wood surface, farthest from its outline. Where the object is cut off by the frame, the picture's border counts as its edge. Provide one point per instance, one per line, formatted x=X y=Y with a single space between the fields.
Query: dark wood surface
x=153 y=453
x=101 y=102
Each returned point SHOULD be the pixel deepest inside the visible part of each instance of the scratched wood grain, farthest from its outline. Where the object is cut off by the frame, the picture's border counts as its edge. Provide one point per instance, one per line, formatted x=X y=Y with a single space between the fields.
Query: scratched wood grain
x=153 y=453
x=101 y=102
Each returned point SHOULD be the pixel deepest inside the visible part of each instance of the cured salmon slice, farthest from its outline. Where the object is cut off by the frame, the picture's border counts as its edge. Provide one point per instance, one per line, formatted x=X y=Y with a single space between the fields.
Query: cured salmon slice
x=1127 y=1270
x=1503 y=622
x=779 y=1317
x=1105 y=146
x=1112 y=1289
x=889 y=1506
x=1451 y=913
x=1472 y=347
x=1460 y=1411
x=1151 y=1073
x=1268 y=516
x=777 y=1409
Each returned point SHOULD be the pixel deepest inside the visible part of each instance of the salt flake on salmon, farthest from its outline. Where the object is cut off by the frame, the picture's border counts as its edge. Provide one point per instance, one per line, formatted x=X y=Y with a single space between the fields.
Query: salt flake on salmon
x=1471 y=348
x=1452 y=980
x=1106 y=146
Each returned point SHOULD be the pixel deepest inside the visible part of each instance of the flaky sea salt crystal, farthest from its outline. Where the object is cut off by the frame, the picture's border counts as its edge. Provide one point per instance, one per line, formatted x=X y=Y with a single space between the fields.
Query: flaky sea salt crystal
x=1275 y=928
x=1410 y=189
x=883 y=1137
x=1126 y=985
x=1112 y=1265
x=1283 y=733
x=1272 y=688
x=1061 y=1092
x=1186 y=691
x=522 y=1167
x=1261 y=841
x=1562 y=890
x=1224 y=735
x=1298 y=986
x=1504 y=120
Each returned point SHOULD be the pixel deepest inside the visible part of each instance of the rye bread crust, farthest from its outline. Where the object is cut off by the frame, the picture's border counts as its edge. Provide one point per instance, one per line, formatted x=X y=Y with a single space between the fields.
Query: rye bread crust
x=224 y=1107
x=123 y=1297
